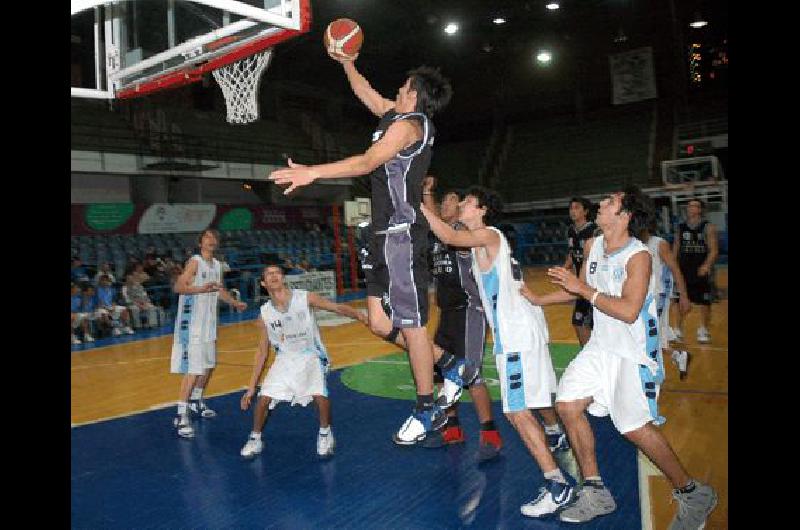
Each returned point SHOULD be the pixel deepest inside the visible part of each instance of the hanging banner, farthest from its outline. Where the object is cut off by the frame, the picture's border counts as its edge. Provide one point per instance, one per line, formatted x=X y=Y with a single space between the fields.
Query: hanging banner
x=163 y=218
x=632 y=75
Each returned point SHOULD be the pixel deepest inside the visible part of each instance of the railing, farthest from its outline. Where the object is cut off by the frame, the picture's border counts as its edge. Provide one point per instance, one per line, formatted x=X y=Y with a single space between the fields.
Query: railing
x=185 y=145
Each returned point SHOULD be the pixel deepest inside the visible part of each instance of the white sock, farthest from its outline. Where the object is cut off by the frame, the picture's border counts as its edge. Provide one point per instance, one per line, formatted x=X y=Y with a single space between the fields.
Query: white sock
x=255 y=435
x=552 y=429
x=197 y=394
x=182 y=405
x=325 y=430
x=555 y=475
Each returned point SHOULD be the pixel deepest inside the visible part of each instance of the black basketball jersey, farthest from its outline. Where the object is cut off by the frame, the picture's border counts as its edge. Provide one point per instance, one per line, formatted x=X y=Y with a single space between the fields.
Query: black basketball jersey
x=397 y=184
x=693 y=248
x=576 y=240
x=452 y=270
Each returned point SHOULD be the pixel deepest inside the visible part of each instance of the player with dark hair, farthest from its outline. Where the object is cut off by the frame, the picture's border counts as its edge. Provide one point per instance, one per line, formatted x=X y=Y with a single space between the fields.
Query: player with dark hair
x=462 y=326
x=519 y=329
x=397 y=284
x=583 y=228
x=619 y=371
x=298 y=374
x=194 y=347
x=695 y=246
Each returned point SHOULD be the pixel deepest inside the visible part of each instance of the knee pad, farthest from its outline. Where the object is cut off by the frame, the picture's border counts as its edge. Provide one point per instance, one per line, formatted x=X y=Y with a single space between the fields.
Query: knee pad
x=392 y=336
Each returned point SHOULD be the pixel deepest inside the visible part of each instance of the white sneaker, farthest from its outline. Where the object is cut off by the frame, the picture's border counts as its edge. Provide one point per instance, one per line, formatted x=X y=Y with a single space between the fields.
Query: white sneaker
x=678 y=334
x=681 y=360
x=76 y=340
x=184 y=428
x=325 y=444
x=551 y=497
x=449 y=393
x=419 y=423
x=88 y=338
x=116 y=332
x=703 y=336
x=253 y=447
x=199 y=407
x=128 y=330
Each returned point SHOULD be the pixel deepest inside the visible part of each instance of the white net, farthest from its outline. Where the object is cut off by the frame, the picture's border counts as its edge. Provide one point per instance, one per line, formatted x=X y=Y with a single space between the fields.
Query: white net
x=239 y=82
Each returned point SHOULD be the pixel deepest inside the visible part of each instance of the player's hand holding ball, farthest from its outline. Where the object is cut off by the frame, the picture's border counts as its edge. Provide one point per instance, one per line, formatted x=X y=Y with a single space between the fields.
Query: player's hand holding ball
x=343 y=39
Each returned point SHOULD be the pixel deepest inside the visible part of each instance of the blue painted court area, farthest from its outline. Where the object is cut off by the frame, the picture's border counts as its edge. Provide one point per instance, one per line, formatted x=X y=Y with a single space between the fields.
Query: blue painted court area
x=135 y=472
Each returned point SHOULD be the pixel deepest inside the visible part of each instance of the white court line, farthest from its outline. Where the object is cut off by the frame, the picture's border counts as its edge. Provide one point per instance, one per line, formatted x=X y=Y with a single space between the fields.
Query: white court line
x=151 y=408
x=135 y=361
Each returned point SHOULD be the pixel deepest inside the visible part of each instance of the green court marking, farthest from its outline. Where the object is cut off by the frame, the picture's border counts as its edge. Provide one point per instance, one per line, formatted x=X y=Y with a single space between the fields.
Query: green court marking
x=390 y=376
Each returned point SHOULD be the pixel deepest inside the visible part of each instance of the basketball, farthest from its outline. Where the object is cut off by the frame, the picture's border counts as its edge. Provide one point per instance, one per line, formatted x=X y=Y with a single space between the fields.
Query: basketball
x=343 y=37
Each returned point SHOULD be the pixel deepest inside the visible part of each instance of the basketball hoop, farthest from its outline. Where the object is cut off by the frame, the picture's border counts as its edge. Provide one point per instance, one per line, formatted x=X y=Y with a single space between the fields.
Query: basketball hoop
x=239 y=82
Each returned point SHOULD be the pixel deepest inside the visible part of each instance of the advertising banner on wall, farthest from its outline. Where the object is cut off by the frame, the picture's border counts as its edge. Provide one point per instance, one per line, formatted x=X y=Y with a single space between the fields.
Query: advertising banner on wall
x=632 y=75
x=162 y=218
x=129 y=218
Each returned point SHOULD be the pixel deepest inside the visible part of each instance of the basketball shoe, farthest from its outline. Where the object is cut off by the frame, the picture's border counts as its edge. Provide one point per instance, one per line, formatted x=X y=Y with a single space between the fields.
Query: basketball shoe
x=490 y=444
x=694 y=507
x=182 y=426
x=681 y=360
x=592 y=500
x=325 y=444
x=199 y=407
x=253 y=447
x=552 y=496
x=418 y=424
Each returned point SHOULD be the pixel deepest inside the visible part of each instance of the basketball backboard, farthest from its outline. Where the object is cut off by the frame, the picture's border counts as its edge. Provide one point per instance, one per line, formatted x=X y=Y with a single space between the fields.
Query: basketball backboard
x=129 y=48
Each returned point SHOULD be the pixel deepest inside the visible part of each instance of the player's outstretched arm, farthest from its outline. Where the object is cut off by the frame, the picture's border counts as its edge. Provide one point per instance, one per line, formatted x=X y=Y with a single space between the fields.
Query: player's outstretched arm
x=228 y=298
x=428 y=183
x=398 y=136
x=259 y=362
x=482 y=237
x=320 y=302
x=370 y=97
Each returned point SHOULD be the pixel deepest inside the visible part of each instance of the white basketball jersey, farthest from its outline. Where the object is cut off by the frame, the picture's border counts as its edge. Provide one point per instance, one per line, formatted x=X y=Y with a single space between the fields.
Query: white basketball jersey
x=196 y=321
x=607 y=274
x=294 y=331
x=661 y=272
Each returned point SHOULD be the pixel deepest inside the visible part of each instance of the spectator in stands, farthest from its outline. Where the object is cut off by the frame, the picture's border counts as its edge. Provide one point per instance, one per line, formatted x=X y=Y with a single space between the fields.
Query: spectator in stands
x=291 y=268
x=79 y=272
x=78 y=317
x=116 y=316
x=306 y=266
x=137 y=300
x=105 y=270
x=139 y=274
x=88 y=307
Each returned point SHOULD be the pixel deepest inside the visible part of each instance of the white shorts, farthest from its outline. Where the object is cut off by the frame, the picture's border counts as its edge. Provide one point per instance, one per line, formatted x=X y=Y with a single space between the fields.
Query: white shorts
x=79 y=318
x=527 y=380
x=619 y=387
x=193 y=359
x=295 y=379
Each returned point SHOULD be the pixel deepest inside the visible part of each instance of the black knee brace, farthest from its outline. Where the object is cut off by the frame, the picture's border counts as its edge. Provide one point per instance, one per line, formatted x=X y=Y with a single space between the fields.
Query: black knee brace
x=392 y=336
